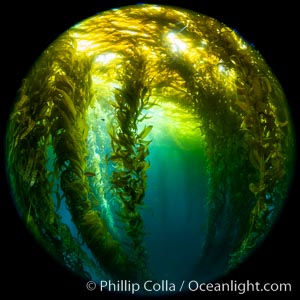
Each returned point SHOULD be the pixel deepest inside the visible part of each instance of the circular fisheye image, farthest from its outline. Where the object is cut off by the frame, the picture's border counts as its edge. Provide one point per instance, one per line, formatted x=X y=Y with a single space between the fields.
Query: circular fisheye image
x=149 y=145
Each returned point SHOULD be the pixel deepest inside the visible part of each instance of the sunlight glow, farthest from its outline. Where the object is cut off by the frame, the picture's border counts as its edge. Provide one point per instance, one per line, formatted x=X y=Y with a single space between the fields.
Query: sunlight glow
x=105 y=58
x=177 y=44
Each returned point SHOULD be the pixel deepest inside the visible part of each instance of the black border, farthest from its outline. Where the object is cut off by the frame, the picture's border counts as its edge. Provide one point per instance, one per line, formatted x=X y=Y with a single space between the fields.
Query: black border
x=28 y=28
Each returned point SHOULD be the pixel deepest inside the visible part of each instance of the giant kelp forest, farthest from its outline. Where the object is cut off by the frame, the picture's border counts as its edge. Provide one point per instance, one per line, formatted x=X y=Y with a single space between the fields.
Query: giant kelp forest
x=80 y=135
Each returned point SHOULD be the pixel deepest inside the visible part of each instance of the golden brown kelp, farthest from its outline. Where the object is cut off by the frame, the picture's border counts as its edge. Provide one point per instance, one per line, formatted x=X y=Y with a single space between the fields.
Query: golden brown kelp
x=53 y=101
x=235 y=101
x=222 y=137
x=72 y=97
x=130 y=149
x=93 y=230
x=267 y=138
x=27 y=139
x=31 y=123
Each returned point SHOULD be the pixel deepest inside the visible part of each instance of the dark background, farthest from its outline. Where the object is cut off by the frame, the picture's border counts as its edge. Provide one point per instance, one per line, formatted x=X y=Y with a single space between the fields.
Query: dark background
x=27 y=29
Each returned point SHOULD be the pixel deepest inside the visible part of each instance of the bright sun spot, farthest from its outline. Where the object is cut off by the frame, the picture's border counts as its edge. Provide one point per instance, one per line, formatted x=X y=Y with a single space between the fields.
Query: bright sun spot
x=83 y=45
x=105 y=58
x=177 y=44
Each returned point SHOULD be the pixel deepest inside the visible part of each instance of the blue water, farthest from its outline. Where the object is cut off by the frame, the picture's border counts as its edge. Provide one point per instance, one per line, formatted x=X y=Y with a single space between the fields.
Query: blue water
x=175 y=214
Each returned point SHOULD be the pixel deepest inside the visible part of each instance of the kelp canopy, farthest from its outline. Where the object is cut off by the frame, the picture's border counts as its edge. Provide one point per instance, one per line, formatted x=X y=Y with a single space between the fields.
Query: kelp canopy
x=83 y=126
